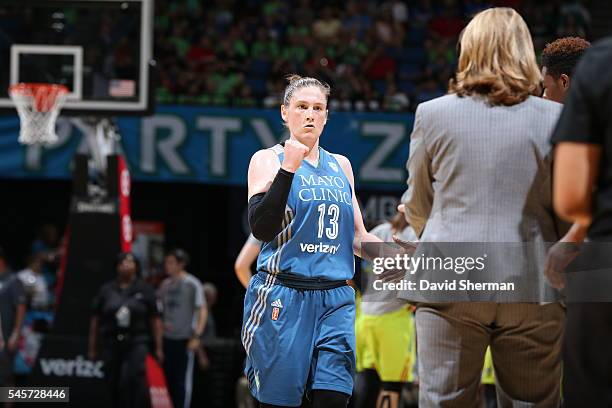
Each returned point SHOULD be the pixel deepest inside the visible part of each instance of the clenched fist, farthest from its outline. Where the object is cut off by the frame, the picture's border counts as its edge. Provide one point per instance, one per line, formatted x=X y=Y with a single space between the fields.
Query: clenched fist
x=294 y=154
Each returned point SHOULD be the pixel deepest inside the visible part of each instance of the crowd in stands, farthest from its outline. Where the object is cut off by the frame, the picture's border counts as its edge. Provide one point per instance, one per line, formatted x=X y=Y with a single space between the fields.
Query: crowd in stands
x=377 y=55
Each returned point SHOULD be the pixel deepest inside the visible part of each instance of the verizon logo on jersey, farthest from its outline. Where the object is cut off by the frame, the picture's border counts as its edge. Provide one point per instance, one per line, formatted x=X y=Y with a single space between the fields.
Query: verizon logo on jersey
x=319 y=248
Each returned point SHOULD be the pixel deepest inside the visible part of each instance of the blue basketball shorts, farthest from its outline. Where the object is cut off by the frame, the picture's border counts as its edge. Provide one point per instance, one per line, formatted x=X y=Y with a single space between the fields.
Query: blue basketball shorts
x=297 y=340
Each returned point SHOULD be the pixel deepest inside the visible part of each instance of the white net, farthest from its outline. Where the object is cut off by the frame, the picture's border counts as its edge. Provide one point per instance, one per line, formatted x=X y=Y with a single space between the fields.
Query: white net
x=38 y=106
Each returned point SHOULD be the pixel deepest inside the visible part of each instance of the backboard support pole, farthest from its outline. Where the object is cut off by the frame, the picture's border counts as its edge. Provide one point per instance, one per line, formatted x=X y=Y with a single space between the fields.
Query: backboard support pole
x=102 y=136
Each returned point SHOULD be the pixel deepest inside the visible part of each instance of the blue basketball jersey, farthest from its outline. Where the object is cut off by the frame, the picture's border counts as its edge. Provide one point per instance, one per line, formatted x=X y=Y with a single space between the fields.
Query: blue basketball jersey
x=316 y=240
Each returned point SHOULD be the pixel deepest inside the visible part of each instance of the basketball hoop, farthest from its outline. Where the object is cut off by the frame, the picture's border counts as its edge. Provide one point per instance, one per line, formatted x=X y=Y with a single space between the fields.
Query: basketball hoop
x=38 y=106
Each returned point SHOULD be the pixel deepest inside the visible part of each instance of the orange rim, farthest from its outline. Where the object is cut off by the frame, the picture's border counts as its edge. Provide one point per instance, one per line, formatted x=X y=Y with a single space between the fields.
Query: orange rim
x=44 y=95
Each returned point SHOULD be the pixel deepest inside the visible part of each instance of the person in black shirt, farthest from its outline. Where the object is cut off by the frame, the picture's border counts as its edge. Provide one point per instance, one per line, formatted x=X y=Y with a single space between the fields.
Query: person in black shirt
x=559 y=60
x=583 y=194
x=126 y=318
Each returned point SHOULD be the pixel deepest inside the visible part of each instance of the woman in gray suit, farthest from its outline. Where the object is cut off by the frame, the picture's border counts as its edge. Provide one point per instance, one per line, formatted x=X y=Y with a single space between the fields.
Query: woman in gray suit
x=480 y=171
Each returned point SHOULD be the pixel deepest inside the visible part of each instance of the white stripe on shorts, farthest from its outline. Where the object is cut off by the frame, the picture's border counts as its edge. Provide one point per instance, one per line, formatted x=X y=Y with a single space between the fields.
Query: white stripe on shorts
x=259 y=308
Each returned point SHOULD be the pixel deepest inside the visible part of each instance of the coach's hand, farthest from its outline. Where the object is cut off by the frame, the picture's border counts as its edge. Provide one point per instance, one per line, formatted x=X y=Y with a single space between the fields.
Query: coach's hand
x=294 y=155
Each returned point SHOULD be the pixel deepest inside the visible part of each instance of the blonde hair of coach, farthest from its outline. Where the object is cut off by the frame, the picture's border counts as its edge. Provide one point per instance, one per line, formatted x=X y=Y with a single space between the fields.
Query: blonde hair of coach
x=497 y=59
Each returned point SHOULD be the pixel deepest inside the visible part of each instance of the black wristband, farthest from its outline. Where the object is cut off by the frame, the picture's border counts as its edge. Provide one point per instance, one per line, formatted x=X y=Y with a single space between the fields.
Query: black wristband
x=285 y=173
x=266 y=210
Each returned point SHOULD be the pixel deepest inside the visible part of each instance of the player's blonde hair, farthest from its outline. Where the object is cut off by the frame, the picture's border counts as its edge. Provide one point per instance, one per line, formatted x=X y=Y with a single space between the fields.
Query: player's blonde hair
x=497 y=59
x=296 y=82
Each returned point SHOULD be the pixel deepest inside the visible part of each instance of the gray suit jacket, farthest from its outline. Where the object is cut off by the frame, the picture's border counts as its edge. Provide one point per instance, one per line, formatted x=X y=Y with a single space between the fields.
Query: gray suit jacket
x=479 y=173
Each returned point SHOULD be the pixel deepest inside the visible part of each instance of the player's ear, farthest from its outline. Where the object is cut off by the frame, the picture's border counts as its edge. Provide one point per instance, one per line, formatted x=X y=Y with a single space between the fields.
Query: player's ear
x=284 y=112
x=326 y=116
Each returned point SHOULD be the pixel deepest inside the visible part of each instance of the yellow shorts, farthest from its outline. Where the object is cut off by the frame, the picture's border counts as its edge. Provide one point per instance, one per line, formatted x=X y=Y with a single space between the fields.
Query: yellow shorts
x=387 y=343
x=359 y=342
x=488 y=374
x=363 y=361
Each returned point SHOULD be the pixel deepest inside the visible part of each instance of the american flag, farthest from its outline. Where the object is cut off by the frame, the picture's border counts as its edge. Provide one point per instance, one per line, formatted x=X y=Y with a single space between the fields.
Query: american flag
x=122 y=88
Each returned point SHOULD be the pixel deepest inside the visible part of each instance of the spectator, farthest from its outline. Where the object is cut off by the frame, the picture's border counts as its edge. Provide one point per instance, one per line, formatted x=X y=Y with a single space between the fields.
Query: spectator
x=185 y=316
x=245 y=97
x=380 y=64
x=179 y=38
x=327 y=27
x=46 y=245
x=422 y=13
x=34 y=283
x=356 y=22
x=12 y=313
x=201 y=53
x=395 y=100
x=386 y=31
x=399 y=11
x=263 y=47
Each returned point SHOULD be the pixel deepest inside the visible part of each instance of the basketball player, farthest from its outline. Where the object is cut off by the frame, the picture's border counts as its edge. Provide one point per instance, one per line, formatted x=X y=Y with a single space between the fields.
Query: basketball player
x=386 y=330
x=298 y=327
x=248 y=254
x=242 y=267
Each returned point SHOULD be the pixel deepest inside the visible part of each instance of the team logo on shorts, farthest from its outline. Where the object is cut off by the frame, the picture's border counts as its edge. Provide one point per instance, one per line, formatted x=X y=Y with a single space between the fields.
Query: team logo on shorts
x=333 y=166
x=276 y=307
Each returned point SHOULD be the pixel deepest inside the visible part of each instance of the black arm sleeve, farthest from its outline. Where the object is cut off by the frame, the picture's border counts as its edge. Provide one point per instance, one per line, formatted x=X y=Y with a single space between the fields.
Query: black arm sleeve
x=266 y=210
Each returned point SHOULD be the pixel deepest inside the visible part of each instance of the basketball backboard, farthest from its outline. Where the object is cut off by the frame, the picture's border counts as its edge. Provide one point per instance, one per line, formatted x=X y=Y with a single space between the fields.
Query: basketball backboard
x=100 y=49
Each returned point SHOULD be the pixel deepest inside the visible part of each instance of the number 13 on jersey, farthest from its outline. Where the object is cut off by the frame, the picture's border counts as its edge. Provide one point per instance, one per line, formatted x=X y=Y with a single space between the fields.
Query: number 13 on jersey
x=333 y=212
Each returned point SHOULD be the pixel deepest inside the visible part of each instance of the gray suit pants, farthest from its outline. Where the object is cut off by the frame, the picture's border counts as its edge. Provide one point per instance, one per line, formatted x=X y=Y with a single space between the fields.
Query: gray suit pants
x=525 y=341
